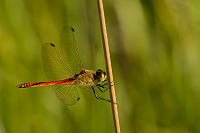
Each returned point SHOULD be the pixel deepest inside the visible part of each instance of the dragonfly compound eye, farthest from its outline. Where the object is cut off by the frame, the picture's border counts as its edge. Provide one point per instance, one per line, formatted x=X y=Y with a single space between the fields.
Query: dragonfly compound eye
x=100 y=73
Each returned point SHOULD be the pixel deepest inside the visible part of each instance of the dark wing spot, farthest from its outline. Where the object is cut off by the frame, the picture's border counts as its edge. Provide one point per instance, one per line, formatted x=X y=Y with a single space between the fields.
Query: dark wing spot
x=78 y=99
x=52 y=44
x=72 y=29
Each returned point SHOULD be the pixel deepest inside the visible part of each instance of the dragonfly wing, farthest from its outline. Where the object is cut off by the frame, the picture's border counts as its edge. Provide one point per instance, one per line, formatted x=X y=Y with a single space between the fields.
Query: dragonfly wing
x=69 y=49
x=55 y=66
x=68 y=94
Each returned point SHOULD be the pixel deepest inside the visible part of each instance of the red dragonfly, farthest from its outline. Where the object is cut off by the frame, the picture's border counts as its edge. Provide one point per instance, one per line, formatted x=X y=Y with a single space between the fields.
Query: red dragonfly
x=63 y=67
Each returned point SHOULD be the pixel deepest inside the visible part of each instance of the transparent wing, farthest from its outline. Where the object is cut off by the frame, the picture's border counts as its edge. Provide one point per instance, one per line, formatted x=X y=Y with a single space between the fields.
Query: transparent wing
x=69 y=49
x=68 y=94
x=55 y=66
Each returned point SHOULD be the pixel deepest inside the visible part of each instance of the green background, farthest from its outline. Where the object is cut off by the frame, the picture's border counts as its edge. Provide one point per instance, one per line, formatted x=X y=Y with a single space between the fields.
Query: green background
x=155 y=52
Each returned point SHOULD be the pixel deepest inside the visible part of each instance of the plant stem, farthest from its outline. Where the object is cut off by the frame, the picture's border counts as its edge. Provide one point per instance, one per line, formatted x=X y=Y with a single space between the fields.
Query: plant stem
x=108 y=66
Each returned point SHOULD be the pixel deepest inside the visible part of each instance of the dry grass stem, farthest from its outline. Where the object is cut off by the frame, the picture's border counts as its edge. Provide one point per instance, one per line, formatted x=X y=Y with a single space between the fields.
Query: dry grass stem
x=108 y=65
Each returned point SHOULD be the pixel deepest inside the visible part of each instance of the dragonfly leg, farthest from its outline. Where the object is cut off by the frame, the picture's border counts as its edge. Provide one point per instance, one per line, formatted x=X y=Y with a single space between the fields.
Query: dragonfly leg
x=100 y=86
x=104 y=86
x=100 y=98
x=105 y=80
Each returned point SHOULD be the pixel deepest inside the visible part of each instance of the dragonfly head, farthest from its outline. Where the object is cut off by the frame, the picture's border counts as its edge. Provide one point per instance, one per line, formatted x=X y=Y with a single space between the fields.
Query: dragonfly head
x=100 y=75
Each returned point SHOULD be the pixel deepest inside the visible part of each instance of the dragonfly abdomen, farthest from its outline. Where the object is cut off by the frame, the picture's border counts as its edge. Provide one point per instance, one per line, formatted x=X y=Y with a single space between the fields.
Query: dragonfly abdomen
x=36 y=84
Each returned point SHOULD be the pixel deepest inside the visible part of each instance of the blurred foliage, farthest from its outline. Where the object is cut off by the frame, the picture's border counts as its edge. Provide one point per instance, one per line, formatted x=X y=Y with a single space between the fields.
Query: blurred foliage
x=155 y=58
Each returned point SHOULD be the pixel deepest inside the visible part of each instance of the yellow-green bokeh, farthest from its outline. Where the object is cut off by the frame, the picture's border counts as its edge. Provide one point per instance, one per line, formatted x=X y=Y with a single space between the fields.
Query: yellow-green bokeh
x=155 y=56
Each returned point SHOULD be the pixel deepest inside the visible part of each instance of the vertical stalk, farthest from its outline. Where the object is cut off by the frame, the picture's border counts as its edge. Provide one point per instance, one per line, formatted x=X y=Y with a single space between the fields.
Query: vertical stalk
x=108 y=66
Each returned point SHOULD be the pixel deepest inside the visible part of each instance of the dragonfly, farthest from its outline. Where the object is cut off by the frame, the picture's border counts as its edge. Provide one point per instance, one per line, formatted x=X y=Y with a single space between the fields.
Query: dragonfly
x=63 y=67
